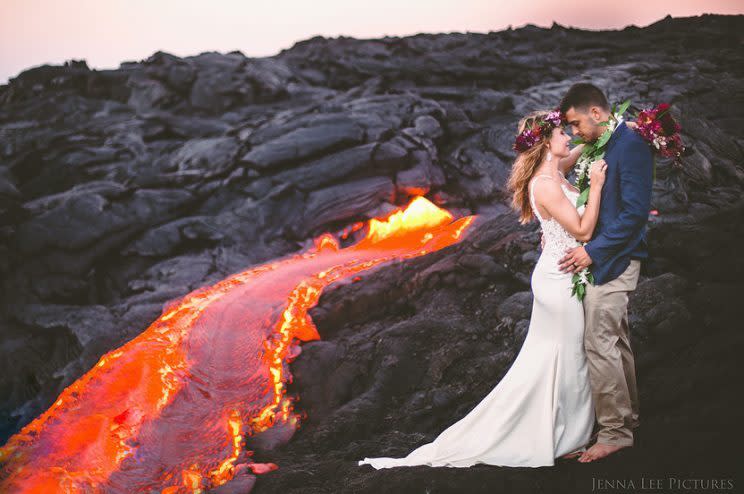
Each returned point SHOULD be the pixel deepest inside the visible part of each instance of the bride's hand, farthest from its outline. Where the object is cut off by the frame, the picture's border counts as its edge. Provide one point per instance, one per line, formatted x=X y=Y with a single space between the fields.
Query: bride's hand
x=598 y=172
x=631 y=124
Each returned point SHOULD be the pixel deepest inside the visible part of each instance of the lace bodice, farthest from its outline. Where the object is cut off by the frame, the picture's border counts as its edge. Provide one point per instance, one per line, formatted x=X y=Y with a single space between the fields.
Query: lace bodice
x=557 y=239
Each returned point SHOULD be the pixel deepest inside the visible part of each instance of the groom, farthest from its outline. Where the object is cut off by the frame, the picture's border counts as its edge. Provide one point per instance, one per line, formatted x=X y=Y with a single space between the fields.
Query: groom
x=614 y=254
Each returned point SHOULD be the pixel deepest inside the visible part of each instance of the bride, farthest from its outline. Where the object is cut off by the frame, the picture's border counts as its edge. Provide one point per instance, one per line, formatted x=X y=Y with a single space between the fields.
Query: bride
x=542 y=408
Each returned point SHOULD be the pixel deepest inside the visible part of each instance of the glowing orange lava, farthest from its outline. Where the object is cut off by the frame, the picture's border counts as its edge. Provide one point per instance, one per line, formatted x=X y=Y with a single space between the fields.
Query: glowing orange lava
x=171 y=409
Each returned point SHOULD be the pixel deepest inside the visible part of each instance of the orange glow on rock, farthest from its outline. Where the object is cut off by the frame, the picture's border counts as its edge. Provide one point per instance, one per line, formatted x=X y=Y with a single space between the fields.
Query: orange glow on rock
x=171 y=409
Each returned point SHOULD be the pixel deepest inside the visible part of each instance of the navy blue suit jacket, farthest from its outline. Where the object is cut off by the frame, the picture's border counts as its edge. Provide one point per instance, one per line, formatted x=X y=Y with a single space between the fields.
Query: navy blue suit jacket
x=620 y=234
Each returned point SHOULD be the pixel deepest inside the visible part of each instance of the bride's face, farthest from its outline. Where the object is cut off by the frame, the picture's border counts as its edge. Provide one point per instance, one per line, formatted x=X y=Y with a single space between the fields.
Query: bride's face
x=558 y=143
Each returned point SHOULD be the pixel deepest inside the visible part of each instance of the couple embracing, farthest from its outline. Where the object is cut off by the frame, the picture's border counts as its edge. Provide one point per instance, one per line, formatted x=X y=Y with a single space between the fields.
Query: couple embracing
x=576 y=364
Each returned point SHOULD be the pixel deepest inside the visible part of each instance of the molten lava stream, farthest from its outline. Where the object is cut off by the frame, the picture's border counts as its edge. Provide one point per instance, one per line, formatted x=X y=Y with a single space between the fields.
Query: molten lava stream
x=169 y=410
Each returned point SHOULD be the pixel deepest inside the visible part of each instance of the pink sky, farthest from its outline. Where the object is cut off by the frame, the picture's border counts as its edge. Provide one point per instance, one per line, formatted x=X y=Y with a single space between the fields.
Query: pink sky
x=107 y=32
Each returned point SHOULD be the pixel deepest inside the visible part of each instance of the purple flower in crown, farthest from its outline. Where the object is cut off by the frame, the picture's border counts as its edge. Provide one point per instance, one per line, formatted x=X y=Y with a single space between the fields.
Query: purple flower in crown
x=531 y=136
x=555 y=117
x=528 y=138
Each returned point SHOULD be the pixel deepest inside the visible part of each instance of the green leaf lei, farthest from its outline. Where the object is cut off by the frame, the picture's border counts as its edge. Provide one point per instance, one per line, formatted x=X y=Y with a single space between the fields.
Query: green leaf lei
x=591 y=153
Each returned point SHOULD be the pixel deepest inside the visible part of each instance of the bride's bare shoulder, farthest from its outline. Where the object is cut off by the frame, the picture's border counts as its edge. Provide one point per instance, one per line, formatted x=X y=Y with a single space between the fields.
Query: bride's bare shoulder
x=547 y=187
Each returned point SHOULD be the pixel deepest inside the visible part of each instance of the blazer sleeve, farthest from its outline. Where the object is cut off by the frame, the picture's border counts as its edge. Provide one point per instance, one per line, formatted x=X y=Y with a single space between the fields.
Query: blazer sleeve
x=636 y=184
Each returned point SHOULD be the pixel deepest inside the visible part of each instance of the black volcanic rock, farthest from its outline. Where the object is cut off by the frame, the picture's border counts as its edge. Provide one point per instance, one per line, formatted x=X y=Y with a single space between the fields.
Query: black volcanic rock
x=123 y=189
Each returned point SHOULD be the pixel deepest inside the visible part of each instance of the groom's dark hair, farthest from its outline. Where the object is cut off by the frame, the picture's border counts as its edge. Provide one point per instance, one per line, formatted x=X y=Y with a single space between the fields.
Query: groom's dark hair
x=582 y=95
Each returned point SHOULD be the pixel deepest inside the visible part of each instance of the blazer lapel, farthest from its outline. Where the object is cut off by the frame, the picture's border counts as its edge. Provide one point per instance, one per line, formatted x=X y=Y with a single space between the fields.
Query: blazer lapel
x=622 y=128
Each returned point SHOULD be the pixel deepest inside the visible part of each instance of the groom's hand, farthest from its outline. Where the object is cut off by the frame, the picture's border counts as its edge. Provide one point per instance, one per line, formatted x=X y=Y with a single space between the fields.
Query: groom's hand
x=575 y=260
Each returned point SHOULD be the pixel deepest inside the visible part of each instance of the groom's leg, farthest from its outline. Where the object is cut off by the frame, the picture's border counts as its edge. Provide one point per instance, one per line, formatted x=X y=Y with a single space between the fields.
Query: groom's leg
x=610 y=358
x=629 y=368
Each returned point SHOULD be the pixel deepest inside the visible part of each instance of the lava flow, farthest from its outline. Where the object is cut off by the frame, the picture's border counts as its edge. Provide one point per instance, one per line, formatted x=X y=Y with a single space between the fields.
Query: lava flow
x=171 y=409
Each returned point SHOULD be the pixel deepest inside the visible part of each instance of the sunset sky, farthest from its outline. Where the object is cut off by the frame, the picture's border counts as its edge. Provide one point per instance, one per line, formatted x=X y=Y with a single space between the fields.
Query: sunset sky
x=107 y=32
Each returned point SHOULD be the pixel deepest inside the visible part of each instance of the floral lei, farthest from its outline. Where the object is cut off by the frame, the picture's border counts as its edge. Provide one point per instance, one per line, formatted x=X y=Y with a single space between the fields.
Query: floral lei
x=657 y=127
x=592 y=152
x=595 y=151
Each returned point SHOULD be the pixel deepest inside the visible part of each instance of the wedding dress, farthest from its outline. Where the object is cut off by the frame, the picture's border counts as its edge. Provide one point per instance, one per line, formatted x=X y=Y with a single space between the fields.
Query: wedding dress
x=542 y=408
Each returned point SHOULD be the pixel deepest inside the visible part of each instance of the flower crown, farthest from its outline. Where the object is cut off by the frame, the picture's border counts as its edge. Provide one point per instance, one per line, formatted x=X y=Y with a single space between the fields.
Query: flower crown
x=541 y=127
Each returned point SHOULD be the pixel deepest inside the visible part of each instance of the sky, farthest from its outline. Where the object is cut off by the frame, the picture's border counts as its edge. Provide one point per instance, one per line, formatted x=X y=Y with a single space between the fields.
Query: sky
x=108 y=32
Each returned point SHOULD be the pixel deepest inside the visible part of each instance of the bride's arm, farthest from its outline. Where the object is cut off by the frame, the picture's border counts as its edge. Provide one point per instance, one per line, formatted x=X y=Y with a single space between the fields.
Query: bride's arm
x=559 y=206
x=565 y=165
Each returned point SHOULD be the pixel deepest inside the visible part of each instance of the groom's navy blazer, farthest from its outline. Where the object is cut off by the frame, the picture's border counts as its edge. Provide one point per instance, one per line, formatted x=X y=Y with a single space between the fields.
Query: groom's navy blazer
x=620 y=234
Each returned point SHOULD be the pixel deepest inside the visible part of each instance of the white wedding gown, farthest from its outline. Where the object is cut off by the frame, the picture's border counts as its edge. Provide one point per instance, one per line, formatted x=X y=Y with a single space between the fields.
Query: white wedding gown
x=542 y=408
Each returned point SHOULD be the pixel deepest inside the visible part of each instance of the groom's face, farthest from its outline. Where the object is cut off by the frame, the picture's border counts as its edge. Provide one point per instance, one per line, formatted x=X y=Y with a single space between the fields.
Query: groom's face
x=584 y=123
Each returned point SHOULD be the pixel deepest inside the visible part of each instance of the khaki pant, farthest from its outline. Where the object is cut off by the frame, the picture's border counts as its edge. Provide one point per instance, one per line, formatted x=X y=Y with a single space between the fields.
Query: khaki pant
x=610 y=358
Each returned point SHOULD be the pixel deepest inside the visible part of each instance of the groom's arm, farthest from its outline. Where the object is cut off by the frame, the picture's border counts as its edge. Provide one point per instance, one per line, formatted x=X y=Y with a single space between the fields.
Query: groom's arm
x=636 y=183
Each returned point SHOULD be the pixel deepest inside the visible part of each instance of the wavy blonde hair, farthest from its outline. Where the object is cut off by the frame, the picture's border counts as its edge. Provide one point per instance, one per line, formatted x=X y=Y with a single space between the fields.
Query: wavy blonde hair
x=524 y=168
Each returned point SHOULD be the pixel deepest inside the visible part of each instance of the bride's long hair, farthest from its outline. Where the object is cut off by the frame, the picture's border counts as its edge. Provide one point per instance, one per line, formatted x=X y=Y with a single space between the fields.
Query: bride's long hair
x=524 y=168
